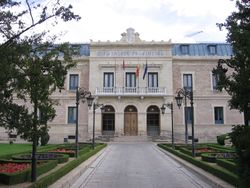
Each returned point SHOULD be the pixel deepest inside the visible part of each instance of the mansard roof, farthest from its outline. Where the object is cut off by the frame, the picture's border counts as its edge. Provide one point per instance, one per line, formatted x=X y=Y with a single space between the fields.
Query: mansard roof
x=84 y=50
x=191 y=49
x=201 y=49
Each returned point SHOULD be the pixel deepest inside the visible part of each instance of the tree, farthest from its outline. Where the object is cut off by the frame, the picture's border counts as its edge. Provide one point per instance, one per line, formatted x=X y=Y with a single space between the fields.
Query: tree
x=234 y=77
x=31 y=68
x=237 y=81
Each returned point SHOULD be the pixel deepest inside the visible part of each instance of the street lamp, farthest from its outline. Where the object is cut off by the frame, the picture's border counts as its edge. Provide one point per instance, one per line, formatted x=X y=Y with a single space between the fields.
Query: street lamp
x=96 y=106
x=163 y=108
x=81 y=93
x=187 y=94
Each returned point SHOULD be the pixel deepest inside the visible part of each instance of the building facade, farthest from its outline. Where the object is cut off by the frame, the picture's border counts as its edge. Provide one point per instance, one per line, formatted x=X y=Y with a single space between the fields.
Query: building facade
x=133 y=79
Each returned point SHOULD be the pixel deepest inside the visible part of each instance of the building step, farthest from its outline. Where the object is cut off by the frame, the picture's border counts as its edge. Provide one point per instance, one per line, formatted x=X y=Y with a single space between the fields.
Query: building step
x=132 y=139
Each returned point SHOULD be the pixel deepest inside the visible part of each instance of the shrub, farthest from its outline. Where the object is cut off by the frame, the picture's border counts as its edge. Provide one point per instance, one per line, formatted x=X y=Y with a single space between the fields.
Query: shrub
x=51 y=178
x=61 y=158
x=221 y=139
x=229 y=165
x=211 y=157
x=25 y=175
x=221 y=147
x=185 y=150
x=240 y=137
x=223 y=174
x=208 y=157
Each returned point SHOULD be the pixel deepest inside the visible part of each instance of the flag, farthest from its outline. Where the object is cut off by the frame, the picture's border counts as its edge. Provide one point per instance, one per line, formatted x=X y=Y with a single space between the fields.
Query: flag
x=145 y=70
x=137 y=70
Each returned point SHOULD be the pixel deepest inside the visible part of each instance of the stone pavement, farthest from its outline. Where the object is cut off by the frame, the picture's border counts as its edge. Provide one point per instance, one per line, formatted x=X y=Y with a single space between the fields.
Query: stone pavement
x=135 y=165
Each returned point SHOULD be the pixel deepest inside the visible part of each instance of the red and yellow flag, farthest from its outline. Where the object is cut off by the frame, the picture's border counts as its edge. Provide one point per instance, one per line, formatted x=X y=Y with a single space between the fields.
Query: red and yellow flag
x=137 y=70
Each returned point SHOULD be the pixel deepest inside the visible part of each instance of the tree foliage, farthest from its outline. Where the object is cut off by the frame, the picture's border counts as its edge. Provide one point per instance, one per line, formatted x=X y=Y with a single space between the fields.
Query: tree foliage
x=240 y=139
x=32 y=67
x=234 y=73
x=234 y=77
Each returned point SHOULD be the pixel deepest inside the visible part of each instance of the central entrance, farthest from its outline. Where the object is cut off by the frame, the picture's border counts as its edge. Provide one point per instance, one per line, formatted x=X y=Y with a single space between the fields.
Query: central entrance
x=130 y=121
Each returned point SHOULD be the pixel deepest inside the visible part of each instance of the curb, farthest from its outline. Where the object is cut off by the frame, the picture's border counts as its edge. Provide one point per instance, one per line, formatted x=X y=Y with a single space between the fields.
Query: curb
x=69 y=179
x=213 y=180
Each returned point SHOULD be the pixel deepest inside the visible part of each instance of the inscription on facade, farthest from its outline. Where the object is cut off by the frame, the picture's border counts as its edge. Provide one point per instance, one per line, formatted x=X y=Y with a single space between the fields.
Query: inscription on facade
x=129 y=53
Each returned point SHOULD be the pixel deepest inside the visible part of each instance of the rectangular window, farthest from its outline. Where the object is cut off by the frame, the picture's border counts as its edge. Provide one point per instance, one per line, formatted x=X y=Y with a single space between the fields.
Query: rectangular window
x=71 y=114
x=189 y=114
x=188 y=82
x=218 y=115
x=108 y=79
x=130 y=79
x=152 y=79
x=184 y=49
x=215 y=79
x=73 y=81
x=212 y=49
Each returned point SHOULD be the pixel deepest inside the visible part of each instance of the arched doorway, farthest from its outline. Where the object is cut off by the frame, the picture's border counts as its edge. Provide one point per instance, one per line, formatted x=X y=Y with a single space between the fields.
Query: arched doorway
x=108 y=120
x=130 y=121
x=153 y=121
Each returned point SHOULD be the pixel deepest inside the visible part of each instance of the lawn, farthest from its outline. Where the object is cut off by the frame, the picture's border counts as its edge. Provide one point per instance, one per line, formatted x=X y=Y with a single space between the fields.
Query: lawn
x=6 y=149
x=11 y=157
x=9 y=149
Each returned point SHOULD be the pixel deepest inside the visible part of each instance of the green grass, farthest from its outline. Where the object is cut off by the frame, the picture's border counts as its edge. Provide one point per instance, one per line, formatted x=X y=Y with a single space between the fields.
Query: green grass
x=7 y=149
x=10 y=149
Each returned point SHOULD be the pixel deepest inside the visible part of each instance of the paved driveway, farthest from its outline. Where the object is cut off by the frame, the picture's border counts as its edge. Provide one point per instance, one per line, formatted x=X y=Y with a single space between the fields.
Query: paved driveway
x=137 y=165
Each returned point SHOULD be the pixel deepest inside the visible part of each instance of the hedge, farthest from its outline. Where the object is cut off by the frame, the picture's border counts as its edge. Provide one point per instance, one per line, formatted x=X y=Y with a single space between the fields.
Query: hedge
x=217 y=171
x=54 y=176
x=221 y=139
x=208 y=157
x=25 y=175
x=186 y=151
x=61 y=158
x=229 y=165
x=39 y=149
x=221 y=148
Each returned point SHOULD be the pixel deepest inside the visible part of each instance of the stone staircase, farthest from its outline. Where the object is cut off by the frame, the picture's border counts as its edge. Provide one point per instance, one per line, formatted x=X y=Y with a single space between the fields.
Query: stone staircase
x=132 y=139
x=144 y=138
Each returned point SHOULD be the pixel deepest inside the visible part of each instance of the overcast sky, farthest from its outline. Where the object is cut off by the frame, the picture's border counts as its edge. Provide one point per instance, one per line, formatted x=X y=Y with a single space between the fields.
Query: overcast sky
x=152 y=19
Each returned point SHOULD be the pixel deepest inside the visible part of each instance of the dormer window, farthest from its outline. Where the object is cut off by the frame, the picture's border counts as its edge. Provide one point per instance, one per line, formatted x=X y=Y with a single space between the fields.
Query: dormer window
x=212 y=49
x=185 y=49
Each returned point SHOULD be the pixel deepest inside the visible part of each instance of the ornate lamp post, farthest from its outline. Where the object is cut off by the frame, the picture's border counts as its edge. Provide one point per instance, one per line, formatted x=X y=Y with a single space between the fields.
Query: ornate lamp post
x=96 y=106
x=163 y=108
x=182 y=92
x=81 y=93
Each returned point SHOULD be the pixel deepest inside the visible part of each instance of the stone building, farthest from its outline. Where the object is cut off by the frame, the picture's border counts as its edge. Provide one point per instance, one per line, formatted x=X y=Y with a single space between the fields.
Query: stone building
x=133 y=78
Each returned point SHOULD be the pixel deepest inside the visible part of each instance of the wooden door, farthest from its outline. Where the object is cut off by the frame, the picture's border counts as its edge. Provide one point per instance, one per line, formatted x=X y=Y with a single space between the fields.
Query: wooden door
x=130 y=123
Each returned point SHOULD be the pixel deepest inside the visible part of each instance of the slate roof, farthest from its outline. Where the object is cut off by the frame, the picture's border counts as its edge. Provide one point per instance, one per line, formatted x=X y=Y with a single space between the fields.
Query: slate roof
x=202 y=49
x=193 y=49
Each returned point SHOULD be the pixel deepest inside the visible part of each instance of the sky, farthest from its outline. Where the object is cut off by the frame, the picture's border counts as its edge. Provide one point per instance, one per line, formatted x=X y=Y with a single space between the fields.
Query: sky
x=178 y=20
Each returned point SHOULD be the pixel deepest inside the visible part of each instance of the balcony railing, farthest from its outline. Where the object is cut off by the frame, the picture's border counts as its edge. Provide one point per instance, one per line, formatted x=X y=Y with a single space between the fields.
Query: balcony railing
x=131 y=91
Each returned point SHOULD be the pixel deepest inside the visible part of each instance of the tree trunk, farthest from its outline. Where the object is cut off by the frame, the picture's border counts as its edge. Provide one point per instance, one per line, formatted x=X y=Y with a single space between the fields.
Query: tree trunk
x=34 y=145
x=246 y=117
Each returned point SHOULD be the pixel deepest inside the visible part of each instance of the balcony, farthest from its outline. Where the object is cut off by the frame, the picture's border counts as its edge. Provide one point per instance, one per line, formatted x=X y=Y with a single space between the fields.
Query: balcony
x=131 y=91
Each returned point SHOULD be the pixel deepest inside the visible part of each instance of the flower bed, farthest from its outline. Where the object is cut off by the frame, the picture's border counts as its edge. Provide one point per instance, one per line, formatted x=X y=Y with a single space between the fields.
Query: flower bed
x=61 y=158
x=14 y=172
x=199 y=151
x=213 y=169
x=13 y=167
x=69 y=152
